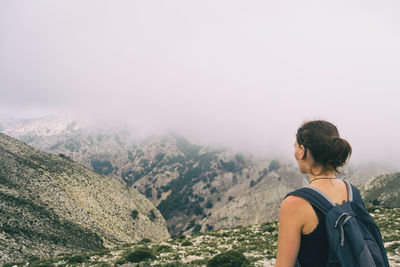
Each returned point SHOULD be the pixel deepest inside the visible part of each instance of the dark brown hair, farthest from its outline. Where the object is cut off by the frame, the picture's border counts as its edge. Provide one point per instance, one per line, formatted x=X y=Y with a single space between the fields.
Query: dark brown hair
x=322 y=140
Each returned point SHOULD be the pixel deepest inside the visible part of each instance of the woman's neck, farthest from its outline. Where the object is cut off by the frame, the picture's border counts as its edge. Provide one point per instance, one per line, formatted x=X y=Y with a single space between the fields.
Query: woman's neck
x=330 y=174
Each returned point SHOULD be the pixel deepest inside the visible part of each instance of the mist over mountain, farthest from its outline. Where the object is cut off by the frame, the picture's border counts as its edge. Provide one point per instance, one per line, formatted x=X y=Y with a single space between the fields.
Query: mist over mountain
x=195 y=187
x=189 y=108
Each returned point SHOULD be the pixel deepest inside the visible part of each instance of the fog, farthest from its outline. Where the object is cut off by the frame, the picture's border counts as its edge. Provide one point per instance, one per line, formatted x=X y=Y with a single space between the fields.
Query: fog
x=240 y=74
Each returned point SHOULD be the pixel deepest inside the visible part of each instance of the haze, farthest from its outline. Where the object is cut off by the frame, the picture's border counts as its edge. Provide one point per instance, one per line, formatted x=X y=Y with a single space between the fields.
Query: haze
x=242 y=74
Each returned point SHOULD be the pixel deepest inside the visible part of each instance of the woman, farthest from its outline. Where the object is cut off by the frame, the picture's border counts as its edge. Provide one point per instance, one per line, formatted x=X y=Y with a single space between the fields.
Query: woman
x=319 y=152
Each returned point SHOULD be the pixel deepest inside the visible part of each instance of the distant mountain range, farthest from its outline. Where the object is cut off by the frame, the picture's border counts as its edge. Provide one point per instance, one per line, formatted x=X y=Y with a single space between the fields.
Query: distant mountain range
x=196 y=188
x=51 y=205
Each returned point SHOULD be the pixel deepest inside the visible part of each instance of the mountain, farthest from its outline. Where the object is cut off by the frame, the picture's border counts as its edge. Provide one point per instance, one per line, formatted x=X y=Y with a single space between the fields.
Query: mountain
x=196 y=188
x=383 y=190
x=360 y=174
x=51 y=205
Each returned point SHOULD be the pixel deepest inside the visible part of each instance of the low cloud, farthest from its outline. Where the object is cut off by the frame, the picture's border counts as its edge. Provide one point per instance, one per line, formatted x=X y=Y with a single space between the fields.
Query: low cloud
x=242 y=75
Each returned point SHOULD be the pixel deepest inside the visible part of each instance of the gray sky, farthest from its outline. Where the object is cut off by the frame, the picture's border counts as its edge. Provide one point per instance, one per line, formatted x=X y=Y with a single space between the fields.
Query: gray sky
x=244 y=74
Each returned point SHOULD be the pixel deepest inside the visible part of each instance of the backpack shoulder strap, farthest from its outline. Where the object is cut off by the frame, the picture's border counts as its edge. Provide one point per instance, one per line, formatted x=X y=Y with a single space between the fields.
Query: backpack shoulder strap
x=316 y=197
x=350 y=190
x=353 y=193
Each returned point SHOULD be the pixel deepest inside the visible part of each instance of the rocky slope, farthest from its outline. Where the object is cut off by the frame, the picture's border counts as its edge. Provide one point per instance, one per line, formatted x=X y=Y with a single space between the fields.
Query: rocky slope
x=50 y=204
x=383 y=190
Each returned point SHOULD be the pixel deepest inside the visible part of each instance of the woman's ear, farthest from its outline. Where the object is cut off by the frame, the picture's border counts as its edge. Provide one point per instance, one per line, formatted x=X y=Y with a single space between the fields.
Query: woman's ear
x=301 y=152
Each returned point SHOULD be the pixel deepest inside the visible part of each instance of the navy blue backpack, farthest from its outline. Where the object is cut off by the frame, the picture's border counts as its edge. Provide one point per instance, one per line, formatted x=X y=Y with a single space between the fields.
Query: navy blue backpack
x=354 y=238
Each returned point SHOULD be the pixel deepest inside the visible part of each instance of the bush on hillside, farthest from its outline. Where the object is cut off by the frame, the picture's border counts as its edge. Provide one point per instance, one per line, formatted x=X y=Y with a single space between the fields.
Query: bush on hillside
x=134 y=214
x=102 y=166
x=138 y=255
x=274 y=165
x=229 y=258
x=163 y=249
x=152 y=215
x=252 y=183
x=196 y=228
x=186 y=243
x=145 y=241
x=77 y=259
x=209 y=204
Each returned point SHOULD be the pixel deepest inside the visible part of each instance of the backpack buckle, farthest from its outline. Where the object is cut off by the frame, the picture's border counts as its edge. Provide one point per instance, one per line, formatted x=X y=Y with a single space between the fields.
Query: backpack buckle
x=346 y=217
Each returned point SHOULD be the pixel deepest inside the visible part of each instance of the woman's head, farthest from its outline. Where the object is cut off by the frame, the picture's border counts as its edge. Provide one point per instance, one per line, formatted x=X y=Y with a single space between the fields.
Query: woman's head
x=321 y=139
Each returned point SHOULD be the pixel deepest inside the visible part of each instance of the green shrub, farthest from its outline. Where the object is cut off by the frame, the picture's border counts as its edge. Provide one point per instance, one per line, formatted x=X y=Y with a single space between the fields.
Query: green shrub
x=102 y=252
x=77 y=259
x=209 y=204
x=152 y=215
x=139 y=254
x=148 y=192
x=102 y=166
x=393 y=247
x=186 y=243
x=196 y=228
x=145 y=241
x=33 y=258
x=11 y=264
x=134 y=214
x=228 y=259
x=274 y=165
x=228 y=166
x=41 y=264
x=172 y=264
x=163 y=249
x=64 y=156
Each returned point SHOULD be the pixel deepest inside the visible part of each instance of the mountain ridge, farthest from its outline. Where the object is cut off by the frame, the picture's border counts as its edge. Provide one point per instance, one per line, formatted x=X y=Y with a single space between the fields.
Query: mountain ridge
x=193 y=186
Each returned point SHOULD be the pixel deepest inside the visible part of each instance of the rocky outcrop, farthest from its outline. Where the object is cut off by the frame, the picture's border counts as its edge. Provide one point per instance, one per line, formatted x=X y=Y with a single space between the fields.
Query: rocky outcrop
x=257 y=204
x=382 y=190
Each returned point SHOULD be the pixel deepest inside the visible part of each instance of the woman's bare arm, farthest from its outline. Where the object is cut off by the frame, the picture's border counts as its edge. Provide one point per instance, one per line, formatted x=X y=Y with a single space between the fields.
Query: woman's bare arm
x=291 y=222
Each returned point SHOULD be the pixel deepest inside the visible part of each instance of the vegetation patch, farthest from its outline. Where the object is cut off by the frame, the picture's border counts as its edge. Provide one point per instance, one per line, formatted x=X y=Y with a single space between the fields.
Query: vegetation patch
x=102 y=166
x=228 y=259
x=240 y=246
x=138 y=255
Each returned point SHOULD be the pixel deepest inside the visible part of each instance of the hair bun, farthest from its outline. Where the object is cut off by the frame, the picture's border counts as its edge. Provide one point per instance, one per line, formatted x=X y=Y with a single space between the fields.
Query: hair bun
x=335 y=139
x=340 y=150
x=326 y=147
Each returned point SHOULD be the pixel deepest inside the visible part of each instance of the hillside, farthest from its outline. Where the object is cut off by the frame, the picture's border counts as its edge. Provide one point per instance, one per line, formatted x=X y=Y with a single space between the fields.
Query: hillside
x=256 y=242
x=50 y=205
x=383 y=190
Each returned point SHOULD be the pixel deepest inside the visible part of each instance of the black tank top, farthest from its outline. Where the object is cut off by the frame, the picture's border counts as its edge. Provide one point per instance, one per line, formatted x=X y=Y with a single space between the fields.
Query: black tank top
x=314 y=246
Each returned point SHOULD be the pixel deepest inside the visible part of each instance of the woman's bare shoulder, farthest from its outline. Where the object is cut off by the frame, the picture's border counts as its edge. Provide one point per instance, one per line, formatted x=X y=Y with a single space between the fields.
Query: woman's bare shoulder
x=294 y=205
x=294 y=201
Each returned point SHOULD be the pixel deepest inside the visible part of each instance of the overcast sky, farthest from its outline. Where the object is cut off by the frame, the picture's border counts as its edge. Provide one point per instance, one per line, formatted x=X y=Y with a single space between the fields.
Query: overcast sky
x=243 y=74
